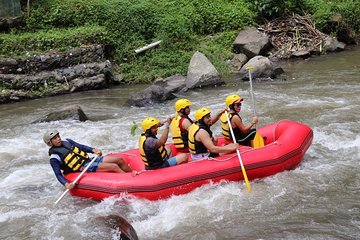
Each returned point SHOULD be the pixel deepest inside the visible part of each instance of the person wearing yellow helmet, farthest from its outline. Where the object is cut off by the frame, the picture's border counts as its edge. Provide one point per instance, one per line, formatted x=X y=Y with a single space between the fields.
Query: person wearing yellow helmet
x=153 y=151
x=202 y=143
x=180 y=125
x=244 y=134
x=69 y=156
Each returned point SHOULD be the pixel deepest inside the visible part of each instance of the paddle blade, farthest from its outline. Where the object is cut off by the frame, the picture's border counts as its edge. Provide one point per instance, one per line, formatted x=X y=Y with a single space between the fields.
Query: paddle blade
x=127 y=230
x=258 y=140
x=246 y=179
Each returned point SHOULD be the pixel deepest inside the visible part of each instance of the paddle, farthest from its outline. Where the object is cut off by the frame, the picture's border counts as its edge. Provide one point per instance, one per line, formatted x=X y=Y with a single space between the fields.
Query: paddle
x=127 y=230
x=77 y=179
x=238 y=153
x=258 y=140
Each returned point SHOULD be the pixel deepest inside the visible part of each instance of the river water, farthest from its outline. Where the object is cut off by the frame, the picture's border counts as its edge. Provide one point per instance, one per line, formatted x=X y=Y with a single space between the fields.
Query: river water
x=317 y=200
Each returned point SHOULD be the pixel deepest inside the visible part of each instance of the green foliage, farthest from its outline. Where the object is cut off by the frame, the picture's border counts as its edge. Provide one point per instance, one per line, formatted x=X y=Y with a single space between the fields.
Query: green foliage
x=270 y=9
x=220 y=15
x=183 y=26
x=133 y=129
x=348 y=12
x=153 y=64
x=45 y=40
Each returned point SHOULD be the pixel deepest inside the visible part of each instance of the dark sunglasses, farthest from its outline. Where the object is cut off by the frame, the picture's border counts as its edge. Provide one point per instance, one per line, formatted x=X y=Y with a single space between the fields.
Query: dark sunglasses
x=237 y=104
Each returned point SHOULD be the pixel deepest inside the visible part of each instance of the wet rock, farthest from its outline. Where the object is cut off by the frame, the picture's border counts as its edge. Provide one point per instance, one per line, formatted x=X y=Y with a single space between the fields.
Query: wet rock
x=331 y=44
x=81 y=84
x=70 y=112
x=13 y=95
x=301 y=54
x=263 y=68
x=150 y=96
x=173 y=83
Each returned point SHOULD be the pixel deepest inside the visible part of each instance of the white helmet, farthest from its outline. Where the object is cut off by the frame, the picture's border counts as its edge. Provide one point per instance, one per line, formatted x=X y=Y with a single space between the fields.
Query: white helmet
x=49 y=135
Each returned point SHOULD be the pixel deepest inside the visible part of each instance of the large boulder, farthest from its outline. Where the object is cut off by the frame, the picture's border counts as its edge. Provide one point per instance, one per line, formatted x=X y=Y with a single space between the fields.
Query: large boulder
x=150 y=96
x=70 y=112
x=331 y=44
x=251 y=42
x=202 y=73
x=262 y=68
x=173 y=84
x=237 y=61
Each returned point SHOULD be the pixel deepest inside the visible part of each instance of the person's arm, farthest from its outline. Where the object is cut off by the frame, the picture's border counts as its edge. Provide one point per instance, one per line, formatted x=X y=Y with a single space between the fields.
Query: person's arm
x=216 y=117
x=162 y=140
x=185 y=124
x=204 y=137
x=236 y=121
x=55 y=164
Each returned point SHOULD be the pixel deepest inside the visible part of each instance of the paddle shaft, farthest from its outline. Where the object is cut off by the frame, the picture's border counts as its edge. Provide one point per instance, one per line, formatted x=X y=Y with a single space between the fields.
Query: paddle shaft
x=252 y=95
x=77 y=179
x=238 y=153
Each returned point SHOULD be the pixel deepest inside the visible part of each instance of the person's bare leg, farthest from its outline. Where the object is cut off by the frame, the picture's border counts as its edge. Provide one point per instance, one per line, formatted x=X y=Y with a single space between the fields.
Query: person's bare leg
x=119 y=161
x=108 y=167
x=181 y=158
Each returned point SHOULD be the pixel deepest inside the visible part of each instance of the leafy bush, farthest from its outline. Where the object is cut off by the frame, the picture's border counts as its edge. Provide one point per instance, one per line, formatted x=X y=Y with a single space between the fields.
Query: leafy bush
x=270 y=9
x=348 y=12
x=64 y=39
x=220 y=15
x=183 y=26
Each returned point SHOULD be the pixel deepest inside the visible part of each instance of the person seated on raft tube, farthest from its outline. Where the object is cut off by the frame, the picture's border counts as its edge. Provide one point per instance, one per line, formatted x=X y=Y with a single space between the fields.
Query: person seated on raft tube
x=202 y=144
x=180 y=125
x=153 y=151
x=69 y=156
x=244 y=134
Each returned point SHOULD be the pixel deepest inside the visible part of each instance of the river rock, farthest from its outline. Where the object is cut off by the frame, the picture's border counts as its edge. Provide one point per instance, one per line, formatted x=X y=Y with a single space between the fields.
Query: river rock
x=263 y=69
x=238 y=61
x=331 y=44
x=8 y=95
x=251 y=42
x=70 y=112
x=51 y=61
x=150 y=96
x=59 y=81
x=82 y=84
x=202 y=73
x=173 y=83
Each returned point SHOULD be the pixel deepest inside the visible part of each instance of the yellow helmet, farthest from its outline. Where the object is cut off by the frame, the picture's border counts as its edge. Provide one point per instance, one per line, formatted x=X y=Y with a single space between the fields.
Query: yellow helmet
x=149 y=122
x=233 y=98
x=200 y=113
x=181 y=104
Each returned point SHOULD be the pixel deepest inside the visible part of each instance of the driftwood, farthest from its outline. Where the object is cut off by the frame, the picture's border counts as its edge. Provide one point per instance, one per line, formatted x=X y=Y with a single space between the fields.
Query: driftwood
x=293 y=34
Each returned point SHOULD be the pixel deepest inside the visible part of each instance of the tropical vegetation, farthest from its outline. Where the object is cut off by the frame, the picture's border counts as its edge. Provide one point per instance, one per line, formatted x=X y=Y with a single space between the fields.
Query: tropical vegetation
x=209 y=26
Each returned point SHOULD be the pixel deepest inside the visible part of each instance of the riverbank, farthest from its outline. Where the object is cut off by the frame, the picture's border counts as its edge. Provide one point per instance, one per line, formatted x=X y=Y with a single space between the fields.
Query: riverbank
x=121 y=27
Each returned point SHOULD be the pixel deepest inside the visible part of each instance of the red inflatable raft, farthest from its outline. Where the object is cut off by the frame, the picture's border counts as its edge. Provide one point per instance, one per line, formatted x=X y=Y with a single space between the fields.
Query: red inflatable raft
x=285 y=146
